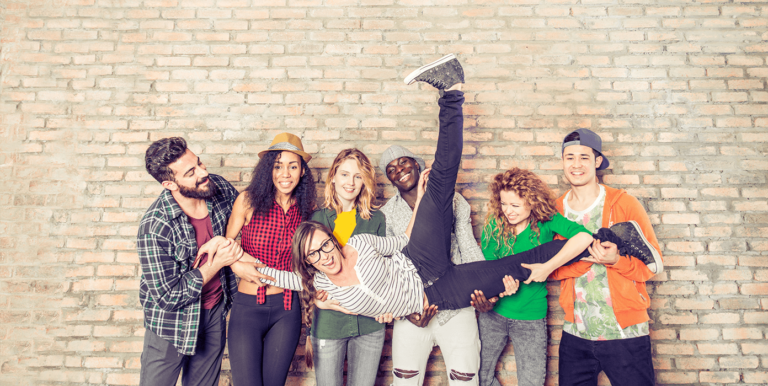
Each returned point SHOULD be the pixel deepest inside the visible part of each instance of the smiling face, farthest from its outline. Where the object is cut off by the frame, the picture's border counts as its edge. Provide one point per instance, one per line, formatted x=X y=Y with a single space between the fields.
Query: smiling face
x=580 y=165
x=347 y=182
x=403 y=173
x=190 y=177
x=329 y=263
x=515 y=209
x=286 y=173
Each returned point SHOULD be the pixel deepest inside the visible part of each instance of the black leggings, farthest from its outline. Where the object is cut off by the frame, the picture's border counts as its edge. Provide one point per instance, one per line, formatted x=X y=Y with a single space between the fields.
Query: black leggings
x=449 y=286
x=262 y=339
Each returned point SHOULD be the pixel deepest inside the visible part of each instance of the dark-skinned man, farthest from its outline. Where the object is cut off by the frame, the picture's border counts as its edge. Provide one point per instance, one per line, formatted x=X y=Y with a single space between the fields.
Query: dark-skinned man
x=455 y=331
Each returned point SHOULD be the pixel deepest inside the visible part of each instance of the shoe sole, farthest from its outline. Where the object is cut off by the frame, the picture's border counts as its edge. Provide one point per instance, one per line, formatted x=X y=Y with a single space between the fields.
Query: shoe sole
x=410 y=78
x=658 y=264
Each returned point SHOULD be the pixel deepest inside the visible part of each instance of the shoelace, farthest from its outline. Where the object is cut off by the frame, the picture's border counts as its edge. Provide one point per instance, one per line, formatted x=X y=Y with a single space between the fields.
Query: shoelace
x=437 y=83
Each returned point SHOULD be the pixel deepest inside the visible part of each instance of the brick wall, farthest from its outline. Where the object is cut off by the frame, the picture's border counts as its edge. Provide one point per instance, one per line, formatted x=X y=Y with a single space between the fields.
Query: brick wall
x=677 y=90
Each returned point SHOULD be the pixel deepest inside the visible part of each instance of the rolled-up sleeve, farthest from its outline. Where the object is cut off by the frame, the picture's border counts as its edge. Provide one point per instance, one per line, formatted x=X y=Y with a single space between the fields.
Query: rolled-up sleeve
x=168 y=287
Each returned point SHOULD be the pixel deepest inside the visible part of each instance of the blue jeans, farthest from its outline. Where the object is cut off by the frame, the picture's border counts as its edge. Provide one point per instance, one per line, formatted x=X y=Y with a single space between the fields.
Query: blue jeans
x=529 y=340
x=364 y=353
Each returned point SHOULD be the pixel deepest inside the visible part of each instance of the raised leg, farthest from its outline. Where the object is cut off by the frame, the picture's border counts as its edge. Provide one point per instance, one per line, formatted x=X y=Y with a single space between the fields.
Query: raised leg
x=430 y=243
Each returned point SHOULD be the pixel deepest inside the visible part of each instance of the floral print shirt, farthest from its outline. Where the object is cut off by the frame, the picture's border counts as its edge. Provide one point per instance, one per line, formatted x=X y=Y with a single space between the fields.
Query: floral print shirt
x=593 y=311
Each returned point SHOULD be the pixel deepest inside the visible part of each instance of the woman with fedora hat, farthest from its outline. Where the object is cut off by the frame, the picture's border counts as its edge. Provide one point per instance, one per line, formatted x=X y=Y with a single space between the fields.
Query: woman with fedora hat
x=265 y=323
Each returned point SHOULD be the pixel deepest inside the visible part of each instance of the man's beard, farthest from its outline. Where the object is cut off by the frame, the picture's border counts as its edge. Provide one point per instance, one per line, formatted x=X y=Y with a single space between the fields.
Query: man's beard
x=199 y=193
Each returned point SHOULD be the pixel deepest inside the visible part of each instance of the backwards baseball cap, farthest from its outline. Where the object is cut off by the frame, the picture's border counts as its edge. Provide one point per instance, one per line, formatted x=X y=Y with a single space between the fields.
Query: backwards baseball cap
x=396 y=151
x=589 y=139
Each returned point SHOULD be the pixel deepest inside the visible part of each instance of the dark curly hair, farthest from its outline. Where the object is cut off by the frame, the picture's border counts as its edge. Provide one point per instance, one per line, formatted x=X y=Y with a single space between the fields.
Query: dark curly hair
x=529 y=187
x=261 y=191
x=162 y=153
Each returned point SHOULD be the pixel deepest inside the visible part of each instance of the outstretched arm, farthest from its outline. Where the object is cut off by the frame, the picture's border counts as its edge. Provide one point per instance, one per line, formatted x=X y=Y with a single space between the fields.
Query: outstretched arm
x=572 y=248
x=263 y=274
x=276 y=277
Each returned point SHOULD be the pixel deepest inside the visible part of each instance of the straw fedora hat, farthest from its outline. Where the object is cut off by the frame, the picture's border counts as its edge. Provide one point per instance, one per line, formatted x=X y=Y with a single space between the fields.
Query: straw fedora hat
x=287 y=142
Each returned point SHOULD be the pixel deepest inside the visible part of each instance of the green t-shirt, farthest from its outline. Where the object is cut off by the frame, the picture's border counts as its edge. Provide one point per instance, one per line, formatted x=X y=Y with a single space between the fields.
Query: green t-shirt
x=530 y=301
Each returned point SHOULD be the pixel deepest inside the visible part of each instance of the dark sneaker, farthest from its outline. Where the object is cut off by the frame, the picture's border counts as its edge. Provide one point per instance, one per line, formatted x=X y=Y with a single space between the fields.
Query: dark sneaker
x=635 y=244
x=441 y=74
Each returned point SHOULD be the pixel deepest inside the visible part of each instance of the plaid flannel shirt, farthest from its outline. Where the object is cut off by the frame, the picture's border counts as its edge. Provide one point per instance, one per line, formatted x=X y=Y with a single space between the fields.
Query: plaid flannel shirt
x=170 y=290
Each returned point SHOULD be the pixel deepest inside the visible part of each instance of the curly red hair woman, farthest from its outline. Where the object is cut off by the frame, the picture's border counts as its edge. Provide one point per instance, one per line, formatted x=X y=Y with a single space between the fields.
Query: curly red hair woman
x=521 y=216
x=532 y=190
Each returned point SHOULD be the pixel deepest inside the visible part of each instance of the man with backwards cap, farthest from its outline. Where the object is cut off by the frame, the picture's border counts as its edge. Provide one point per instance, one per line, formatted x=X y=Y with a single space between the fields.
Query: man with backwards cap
x=455 y=331
x=603 y=296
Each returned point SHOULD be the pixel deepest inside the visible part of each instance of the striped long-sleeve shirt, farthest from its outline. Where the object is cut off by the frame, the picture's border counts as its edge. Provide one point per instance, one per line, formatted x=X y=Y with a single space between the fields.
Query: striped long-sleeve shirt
x=389 y=282
x=464 y=247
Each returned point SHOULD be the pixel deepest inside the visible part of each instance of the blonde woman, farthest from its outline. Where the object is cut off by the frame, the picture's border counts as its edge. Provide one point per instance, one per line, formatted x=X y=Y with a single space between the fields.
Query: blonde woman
x=349 y=210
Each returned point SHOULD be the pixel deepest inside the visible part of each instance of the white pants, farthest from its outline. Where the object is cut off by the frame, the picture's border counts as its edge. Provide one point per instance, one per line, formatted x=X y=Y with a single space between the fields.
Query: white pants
x=459 y=342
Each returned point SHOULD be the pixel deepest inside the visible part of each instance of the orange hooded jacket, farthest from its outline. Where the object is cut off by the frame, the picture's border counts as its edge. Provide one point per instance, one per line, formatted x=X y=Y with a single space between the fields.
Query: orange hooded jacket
x=626 y=278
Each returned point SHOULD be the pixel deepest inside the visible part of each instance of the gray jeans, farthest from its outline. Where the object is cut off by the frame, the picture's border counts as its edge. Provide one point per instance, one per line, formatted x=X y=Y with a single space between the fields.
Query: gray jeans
x=363 y=354
x=161 y=363
x=529 y=340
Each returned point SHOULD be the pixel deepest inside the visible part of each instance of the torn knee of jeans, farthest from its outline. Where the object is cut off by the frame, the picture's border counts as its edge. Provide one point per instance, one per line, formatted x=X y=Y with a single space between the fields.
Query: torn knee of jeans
x=405 y=374
x=459 y=376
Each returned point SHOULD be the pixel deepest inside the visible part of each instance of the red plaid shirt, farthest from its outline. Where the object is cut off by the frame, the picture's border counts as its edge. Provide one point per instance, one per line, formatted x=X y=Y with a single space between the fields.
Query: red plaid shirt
x=267 y=237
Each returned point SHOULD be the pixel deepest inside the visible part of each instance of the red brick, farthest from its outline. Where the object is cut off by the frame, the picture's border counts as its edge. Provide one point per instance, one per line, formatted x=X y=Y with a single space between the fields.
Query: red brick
x=720 y=318
x=760 y=377
x=742 y=333
x=719 y=377
x=738 y=362
x=674 y=349
x=123 y=379
x=695 y=363
x=717 y=348
x=738 y=304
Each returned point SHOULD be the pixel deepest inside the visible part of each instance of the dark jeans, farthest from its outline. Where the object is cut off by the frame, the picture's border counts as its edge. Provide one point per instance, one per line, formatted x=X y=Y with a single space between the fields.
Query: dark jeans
x=430 y=245
x=262 y=339
x=449 y=285
x=626 y=362
x=453 y=289
x=161 y=363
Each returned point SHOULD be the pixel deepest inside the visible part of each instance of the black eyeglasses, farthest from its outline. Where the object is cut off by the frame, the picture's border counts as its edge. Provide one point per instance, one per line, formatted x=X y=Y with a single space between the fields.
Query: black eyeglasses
x=314 y=256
